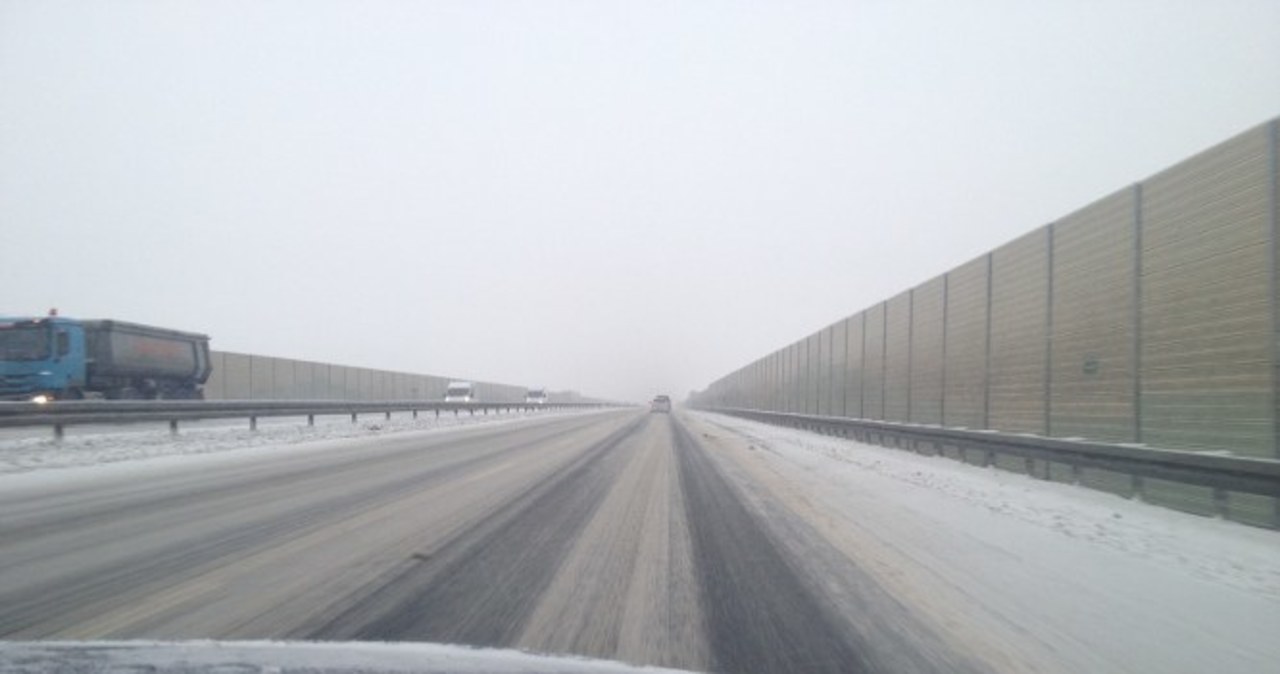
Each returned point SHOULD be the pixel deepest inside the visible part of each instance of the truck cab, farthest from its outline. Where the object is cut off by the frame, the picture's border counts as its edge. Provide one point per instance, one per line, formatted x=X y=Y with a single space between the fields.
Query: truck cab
x=536 y=396
x=41 y=358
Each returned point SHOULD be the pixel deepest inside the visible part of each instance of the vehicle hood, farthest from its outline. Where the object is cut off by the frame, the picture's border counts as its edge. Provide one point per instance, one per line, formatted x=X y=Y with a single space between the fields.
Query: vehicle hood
x=200 y=657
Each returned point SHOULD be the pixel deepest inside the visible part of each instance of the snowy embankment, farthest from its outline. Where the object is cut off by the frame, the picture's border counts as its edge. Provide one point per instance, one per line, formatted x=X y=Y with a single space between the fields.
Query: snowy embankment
x=30 y=449
x=1043 y=576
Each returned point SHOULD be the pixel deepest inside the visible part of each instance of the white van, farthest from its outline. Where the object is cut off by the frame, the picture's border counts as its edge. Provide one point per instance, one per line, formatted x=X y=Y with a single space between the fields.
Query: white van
x=460 y=392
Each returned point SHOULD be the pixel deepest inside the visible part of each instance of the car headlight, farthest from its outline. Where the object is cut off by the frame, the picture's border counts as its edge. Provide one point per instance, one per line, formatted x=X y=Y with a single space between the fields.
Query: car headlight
x=42 y=399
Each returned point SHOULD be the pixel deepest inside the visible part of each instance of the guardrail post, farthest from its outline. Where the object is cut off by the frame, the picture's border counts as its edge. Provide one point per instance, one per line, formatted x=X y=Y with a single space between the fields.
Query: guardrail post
x=1046 y=469
x=311 y=420
x=388 y=415
x=173 y=427
x=1221 y=507
x=353 y=417
x=58 y=432
x=415 y=415
x=253 y=423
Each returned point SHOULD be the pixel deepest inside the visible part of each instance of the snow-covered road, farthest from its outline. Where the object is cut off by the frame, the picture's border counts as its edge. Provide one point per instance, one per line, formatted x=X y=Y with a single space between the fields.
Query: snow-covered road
x=694 y=541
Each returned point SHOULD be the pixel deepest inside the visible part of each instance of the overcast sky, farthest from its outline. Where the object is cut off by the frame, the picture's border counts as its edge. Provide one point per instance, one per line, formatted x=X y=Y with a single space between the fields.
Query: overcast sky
x=619 y=198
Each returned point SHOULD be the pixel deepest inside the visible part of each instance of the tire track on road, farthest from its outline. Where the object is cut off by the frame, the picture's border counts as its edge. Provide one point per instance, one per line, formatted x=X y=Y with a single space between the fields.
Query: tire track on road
x=480 y=587
x=760 y=615
x=628 y=590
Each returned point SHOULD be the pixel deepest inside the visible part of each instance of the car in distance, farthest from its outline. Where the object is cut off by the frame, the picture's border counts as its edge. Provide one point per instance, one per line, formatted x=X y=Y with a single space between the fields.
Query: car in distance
x=536 y=396
x=660 y=404
x=460 y=392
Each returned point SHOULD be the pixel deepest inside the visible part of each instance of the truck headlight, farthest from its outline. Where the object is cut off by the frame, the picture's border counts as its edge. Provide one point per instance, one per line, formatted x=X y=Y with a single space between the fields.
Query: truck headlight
x=42 y=399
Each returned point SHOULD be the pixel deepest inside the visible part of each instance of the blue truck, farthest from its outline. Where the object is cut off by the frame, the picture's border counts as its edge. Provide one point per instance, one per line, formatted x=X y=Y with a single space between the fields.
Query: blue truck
x=55 y=358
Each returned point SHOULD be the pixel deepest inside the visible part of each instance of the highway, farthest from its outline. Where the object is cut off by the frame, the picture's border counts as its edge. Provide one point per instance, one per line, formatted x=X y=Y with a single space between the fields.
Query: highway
x=622 y=535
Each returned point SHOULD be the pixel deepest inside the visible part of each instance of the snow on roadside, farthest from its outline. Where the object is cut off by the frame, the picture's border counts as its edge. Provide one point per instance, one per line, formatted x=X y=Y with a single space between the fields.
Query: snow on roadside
x=1214 y=550
x=124 y=443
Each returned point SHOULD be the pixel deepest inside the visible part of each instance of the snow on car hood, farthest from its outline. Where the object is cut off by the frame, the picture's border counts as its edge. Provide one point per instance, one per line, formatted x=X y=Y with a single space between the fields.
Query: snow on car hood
x=205 y=657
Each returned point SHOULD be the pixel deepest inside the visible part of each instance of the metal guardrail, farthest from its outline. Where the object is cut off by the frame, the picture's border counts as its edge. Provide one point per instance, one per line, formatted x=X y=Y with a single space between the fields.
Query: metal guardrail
x=1222 y=473
x=61 y=414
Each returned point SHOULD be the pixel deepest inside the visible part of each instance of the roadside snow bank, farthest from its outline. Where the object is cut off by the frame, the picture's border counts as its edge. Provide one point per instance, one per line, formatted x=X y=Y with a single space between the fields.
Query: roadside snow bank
x=1212 y=549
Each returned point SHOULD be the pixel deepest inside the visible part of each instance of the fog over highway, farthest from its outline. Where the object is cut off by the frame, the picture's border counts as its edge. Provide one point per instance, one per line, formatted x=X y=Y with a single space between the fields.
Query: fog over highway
x=616 y=198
